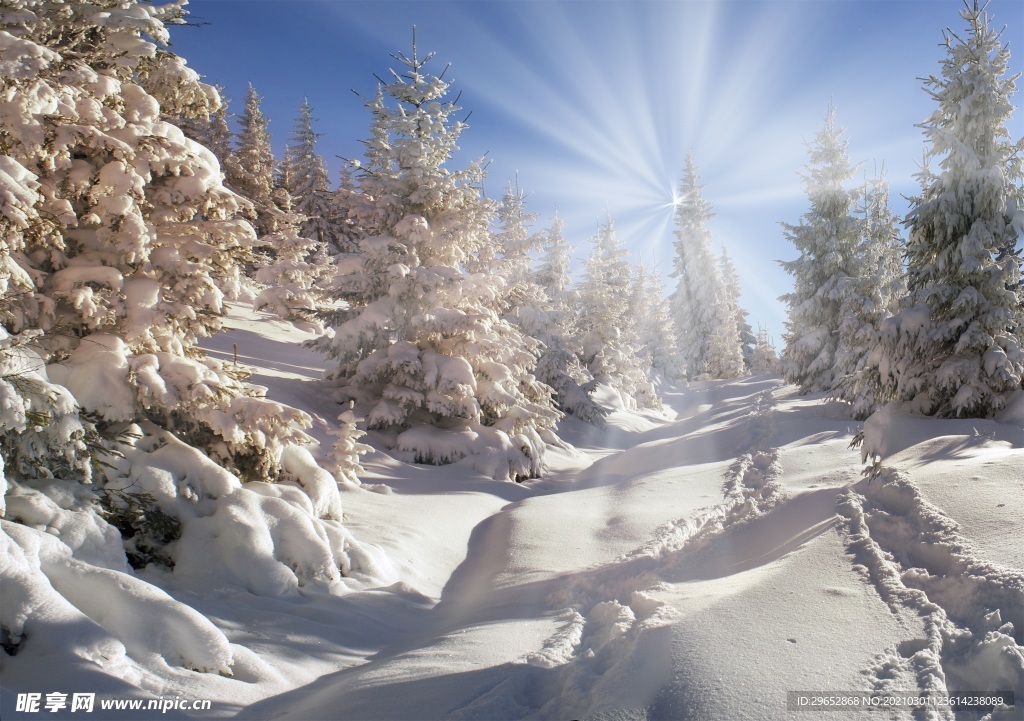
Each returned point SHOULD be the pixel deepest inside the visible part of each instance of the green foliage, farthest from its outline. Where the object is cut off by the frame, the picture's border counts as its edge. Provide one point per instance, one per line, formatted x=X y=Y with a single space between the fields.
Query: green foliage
x=144 y=526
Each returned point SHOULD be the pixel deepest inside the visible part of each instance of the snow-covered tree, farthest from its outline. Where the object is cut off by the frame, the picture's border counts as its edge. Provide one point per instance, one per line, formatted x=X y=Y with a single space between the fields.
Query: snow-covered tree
x=609 y=341
x=764 y=360
x=346 y=449
x=649 y=309
x=827 y=238
x=696 y=302
x=308 y=183
x=420 y=343
x=289 y=273
x=119 y=238
x=731 y=294
x=869 y=298
x=514 y=245
x=559 y=363
x=725 y=347
x=252 y=176
x=212 y=131
x=955 y=348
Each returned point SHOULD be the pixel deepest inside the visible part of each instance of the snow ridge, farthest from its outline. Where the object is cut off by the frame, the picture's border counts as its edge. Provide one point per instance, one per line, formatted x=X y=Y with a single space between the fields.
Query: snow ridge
x=916 y=558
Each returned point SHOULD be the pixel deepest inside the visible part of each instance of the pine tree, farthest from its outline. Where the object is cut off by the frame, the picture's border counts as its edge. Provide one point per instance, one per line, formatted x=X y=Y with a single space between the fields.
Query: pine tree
x=869 y=298
x=420 y=343
x=514 y=244
x=346 y=449
x=559 y=363
x=827 y=237
x=609 y=337
x=308 y=183
x=649 y=309
x=696 y=301
x=764 y=359
x=955 y=348
x=253 y=174
x=119 y=236
x=290 y=274
x=731 y=292
x=212 y=131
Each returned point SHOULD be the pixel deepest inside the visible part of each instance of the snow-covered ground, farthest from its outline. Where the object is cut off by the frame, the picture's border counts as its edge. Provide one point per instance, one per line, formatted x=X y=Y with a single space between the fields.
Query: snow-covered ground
x=695 y=564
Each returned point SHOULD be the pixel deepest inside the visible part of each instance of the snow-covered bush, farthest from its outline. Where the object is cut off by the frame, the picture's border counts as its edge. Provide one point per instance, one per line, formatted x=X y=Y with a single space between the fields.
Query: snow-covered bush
x=41 y=431
x=346 y=448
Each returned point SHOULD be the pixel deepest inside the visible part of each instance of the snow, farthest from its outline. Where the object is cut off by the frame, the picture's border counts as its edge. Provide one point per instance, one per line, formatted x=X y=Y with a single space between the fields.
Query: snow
x=691 y=563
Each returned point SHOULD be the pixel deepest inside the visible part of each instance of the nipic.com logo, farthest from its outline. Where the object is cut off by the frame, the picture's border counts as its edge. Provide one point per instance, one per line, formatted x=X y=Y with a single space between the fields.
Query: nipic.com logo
x=87 y=703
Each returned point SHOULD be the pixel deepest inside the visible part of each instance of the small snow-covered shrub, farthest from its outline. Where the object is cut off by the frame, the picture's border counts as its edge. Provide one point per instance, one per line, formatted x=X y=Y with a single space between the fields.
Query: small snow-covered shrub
x=346 y=449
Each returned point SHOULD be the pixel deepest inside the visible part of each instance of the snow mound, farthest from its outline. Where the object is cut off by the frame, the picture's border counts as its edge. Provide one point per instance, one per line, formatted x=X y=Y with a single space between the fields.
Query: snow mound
x=265 y=538
x=55 y=601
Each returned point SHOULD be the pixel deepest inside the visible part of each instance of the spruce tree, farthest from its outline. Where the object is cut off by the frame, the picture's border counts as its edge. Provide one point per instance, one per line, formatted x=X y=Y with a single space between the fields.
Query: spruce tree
x=731 y=293
x=559 y=363
x=253 y=174
x=869 y=298
x=827 y=238
x=420 y=343
x=955 y=348
x=764 y=360
x=212 y=131
x=119 y=237
x=289 y=274
x=649 y=309
x=610 y=343
x=696 y=301
x=308 y=183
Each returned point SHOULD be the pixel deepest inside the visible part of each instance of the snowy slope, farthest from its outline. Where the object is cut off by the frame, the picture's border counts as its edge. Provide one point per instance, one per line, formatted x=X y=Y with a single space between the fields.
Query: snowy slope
x=696 y=564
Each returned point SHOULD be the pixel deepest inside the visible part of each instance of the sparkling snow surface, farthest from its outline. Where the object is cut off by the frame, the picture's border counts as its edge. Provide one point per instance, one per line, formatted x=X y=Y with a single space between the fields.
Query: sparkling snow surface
x=696 y=564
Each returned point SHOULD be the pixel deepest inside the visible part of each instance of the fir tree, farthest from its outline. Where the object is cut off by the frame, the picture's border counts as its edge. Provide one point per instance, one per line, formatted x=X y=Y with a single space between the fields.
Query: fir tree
x=731 y=292
x=649 y=309
x=420 y=343
x=764 y=360
x=696 y=301
x=346 y=449
x=308 y=183
x=559 y=363
x=827 y=238
x=289 y=275
x=609 y=337
x=955 y=350
x=119 y=236
x=213 y=132
x=253 y=174
x=869 y=298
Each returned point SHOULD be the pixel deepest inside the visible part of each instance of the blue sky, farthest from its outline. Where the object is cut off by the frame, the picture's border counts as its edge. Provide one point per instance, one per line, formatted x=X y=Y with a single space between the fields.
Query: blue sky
x=595 y=103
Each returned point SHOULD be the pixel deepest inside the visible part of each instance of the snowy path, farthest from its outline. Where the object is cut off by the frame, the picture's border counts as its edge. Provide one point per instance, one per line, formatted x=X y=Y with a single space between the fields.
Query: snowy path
x=693 y=568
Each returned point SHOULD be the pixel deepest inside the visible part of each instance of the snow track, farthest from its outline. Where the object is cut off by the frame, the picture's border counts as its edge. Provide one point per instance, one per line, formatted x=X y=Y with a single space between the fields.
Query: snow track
x=612 y=623
x=973 y=610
